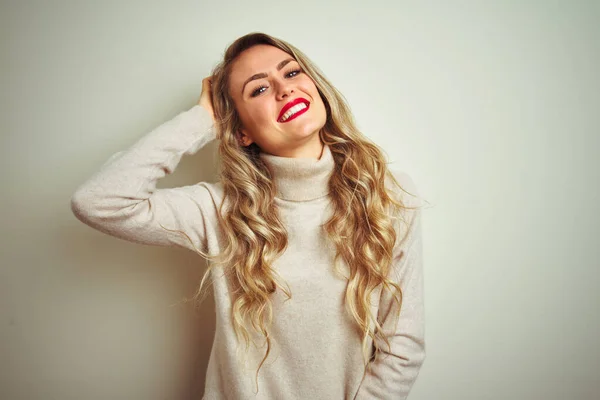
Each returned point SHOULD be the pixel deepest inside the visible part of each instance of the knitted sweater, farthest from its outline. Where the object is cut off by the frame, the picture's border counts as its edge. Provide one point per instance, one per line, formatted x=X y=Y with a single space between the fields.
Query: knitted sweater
x=316 y=350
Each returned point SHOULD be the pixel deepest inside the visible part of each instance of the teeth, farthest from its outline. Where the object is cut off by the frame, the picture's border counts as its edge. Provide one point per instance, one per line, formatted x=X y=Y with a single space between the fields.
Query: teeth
x=293 y=111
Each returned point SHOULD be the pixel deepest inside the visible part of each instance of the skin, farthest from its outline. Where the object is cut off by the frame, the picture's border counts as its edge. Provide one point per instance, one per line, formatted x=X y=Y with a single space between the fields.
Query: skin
x=298 y=137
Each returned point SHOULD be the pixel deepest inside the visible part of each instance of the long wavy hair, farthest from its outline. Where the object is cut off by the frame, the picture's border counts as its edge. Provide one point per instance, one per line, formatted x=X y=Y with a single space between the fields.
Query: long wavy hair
x=362 y=226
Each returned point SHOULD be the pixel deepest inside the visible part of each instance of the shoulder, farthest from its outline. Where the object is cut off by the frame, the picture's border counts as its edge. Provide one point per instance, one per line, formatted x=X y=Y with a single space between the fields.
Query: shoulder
x=207 y=193
x=408 y=192
x=214 y=188
x=407 y=222
x=206 y=197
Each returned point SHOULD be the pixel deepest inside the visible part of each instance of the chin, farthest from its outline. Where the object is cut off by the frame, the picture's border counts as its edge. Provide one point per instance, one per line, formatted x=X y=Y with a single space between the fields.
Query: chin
x=317 y=122
x=311 y=129
x=312 y=124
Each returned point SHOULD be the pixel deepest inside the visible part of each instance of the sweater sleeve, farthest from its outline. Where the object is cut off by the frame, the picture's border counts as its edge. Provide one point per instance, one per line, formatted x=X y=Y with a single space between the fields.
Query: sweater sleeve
x=121 y=198
x=393 y=371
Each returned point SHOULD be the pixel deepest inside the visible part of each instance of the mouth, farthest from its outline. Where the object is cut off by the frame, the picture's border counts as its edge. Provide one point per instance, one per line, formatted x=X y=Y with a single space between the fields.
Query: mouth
x=293 y=109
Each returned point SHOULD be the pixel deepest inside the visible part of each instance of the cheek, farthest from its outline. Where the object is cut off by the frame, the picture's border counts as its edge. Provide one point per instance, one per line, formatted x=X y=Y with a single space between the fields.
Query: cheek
x=260 y=113
x=309 y=85
x=310 y=88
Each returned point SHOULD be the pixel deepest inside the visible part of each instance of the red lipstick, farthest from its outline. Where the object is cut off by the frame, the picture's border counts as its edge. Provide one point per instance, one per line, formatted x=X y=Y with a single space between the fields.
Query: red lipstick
x=292 y=104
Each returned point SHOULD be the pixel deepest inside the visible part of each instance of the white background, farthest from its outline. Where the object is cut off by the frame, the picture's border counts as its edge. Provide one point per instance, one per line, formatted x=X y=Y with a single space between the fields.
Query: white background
x=491 y=107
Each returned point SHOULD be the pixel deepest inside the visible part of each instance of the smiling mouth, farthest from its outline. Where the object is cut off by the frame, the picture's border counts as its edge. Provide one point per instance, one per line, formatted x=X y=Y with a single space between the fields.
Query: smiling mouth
x=294 y=112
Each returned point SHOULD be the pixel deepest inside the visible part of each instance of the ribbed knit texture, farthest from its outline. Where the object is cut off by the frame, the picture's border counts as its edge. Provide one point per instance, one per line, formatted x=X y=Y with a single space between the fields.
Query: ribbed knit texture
x=316 y=351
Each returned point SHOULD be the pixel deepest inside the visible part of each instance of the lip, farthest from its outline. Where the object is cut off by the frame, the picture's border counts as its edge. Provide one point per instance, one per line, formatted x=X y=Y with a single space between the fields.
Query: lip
x=292 y=104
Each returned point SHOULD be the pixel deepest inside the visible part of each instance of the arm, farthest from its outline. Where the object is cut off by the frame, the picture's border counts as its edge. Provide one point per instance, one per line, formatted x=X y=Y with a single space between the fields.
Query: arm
x=121 y=199
x=394 y=372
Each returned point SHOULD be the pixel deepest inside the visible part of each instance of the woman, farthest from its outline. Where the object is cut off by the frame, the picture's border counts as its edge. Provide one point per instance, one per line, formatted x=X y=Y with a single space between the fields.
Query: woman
x=314 y=246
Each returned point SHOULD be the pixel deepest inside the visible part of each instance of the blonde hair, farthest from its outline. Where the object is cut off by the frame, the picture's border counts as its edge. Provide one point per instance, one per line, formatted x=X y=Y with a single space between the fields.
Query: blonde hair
x=361 y=226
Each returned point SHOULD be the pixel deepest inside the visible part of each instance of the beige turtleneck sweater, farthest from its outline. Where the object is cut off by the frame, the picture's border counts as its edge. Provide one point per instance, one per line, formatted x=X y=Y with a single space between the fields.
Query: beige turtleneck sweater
x=316 y=351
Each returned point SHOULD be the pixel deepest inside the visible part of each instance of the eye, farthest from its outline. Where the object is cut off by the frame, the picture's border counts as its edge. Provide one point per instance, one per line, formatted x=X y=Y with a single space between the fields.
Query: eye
x=293 y=73
x=257 y=90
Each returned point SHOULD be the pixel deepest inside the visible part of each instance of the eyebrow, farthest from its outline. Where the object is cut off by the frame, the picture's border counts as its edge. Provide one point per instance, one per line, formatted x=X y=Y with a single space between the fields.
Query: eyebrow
x=264 y=75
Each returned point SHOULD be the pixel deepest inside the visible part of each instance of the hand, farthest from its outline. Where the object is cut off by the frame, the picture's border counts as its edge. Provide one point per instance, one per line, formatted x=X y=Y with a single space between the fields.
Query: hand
x=206 y=96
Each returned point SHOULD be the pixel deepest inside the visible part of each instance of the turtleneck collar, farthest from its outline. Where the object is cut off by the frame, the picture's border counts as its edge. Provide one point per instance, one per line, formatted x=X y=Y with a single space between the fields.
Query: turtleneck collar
x=300 y=179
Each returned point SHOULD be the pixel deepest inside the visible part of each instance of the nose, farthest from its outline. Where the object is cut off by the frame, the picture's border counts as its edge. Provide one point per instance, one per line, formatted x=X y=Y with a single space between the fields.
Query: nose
x=284 y=89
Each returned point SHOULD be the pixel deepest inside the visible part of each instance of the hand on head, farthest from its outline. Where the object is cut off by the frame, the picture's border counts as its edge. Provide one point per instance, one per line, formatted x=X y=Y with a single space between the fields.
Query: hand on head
x=206 y=96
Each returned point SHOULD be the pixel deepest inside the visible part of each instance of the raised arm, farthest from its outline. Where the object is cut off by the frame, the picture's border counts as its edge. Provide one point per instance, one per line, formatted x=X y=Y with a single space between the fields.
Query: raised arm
x=394 y=372
x=121 y=198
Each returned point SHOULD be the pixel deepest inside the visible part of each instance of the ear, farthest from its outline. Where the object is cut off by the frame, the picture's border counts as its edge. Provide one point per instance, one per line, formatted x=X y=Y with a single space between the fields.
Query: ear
x=243 y=138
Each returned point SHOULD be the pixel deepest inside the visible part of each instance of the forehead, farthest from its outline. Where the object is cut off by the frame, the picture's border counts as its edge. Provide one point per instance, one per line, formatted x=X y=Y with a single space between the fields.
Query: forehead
x=259 y=58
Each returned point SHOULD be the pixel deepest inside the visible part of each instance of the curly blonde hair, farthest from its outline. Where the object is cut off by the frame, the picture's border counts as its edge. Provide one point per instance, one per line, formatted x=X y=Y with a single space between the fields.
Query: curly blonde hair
x=362 y=226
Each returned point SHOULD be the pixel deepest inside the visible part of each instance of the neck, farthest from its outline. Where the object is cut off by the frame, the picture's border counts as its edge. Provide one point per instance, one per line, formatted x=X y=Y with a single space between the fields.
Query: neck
x=314 y=149
x=301 y=178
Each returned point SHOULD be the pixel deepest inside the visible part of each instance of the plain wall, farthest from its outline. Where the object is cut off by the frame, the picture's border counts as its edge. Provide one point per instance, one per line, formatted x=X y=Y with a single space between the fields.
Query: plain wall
x=492 y=107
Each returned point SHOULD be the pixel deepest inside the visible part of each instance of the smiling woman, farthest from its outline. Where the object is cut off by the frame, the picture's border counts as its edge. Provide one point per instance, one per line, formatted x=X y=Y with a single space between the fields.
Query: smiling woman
x=314 y=244
x=261 y=100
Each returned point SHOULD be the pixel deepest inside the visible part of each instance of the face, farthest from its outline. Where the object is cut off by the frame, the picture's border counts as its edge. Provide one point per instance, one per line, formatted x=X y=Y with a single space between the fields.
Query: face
x=263 y=80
